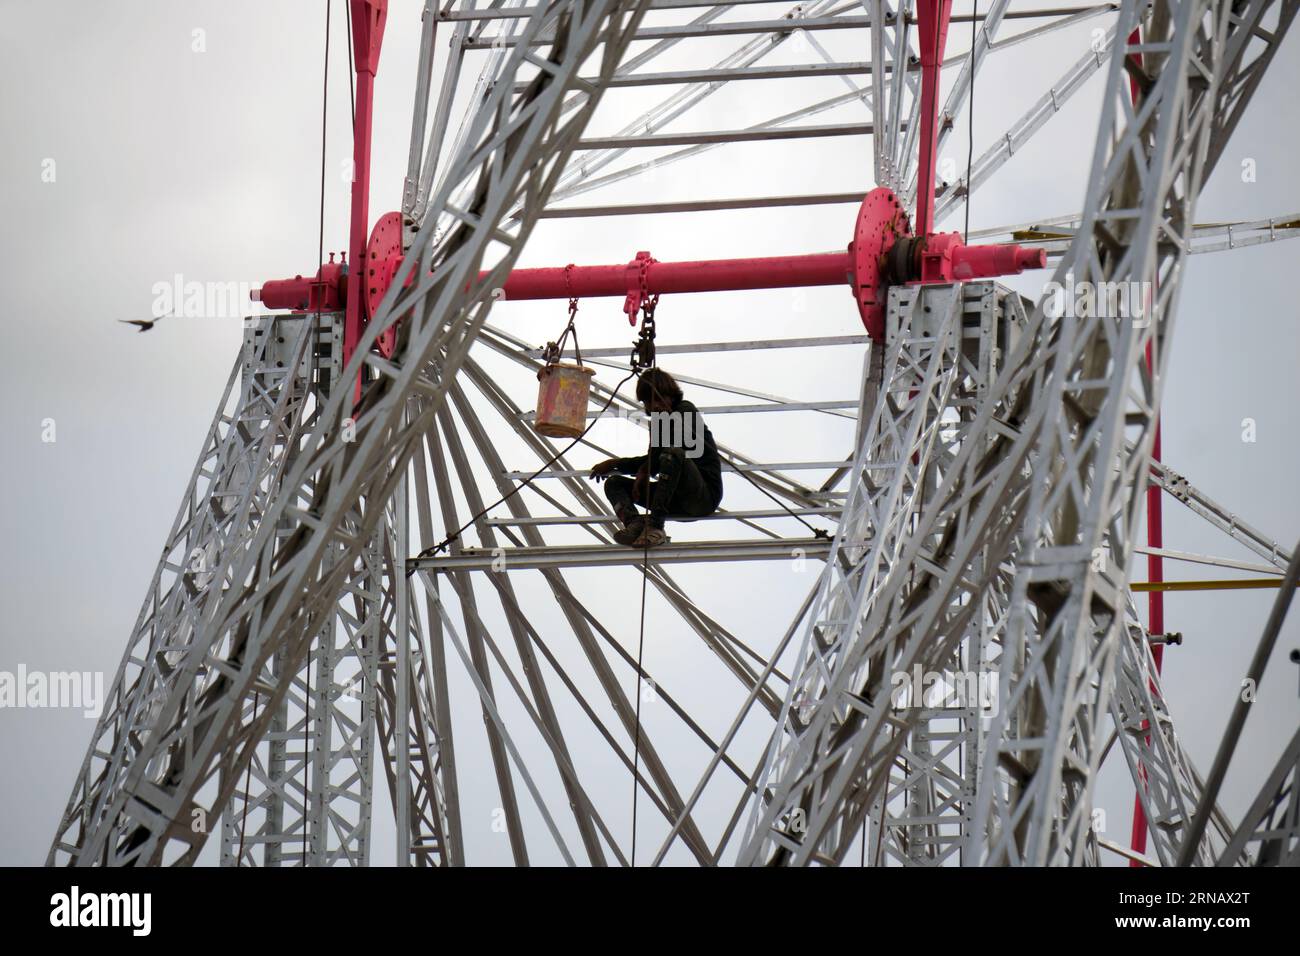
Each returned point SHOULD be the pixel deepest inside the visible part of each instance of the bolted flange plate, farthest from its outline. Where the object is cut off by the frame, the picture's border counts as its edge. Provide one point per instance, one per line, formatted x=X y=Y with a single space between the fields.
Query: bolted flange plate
x=881 y=222
x=382 y=254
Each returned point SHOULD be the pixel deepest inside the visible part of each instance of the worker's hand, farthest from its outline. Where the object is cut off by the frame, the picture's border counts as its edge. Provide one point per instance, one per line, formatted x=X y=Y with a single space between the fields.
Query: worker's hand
x=602 y=470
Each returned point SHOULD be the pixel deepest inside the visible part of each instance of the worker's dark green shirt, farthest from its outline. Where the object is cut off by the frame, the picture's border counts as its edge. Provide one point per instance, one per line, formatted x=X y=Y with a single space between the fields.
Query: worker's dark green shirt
x=700 y=449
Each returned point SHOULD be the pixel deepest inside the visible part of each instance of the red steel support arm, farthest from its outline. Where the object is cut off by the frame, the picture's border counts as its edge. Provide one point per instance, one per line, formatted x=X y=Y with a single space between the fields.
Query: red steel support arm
x=715 y=275
x=368 y=17
x=932 y=27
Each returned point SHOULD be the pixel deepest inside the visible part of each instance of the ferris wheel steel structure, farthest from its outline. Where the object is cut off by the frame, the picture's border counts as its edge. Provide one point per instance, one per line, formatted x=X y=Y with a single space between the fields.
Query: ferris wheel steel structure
x=297 y=618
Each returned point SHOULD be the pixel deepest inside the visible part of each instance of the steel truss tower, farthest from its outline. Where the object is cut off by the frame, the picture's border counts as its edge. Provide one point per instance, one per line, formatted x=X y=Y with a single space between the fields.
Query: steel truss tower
x=1065 y=438
x=984 y=520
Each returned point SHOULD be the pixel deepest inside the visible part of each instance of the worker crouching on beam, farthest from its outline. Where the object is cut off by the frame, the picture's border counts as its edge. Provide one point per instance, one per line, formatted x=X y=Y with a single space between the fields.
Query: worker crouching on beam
x=682 y=455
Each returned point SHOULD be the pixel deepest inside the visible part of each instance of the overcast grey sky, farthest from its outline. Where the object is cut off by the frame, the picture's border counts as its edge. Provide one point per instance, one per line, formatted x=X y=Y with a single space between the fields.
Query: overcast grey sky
x=170 y=161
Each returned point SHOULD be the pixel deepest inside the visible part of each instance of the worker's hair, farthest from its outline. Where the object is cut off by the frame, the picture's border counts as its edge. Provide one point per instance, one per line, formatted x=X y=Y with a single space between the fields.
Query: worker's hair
x=654 y=380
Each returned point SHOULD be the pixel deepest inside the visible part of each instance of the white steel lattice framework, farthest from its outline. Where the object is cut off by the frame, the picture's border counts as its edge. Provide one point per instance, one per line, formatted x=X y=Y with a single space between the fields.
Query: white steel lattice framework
x=984 y=516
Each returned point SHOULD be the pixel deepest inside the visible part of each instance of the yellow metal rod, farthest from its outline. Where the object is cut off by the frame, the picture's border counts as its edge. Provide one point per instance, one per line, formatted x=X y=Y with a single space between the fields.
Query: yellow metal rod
x=1240 y=584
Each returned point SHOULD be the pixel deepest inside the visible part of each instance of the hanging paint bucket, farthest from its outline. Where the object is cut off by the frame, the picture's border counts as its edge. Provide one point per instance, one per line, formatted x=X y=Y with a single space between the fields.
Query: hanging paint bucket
x=562 y=399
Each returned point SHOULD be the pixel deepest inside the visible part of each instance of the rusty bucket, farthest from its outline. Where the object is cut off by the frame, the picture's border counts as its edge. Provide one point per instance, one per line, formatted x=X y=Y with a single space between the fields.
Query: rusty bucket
x=562 y=399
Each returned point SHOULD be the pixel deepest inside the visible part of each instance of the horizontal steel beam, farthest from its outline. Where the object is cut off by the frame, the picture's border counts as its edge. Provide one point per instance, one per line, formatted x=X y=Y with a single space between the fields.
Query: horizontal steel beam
x=702 y=205
x=1043 y=13
x=611 y=519
x=686 y=31
x=726 y=136
x=1058 y=232
x=523 y=13
x=591 y=556
x=778 y=466
x=736 y=409
x=735 y=74
x=696 y=347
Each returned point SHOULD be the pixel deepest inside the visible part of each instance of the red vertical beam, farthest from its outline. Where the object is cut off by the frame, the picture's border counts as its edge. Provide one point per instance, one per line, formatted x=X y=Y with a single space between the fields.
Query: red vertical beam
x=932 y=25
x=1155 y=563
x=368 y=18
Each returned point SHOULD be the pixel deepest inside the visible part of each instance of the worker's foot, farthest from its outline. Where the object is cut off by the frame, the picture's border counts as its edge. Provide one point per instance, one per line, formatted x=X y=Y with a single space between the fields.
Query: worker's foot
x=651 y=537
x=630 y=532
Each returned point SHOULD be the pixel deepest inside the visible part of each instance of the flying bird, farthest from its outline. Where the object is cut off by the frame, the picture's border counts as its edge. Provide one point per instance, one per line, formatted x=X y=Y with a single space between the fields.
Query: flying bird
x=145 y=324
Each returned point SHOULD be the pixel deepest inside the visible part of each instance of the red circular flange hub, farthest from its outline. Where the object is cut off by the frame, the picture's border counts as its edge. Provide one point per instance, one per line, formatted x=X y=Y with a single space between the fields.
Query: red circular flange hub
x=882 y=221
x=383 y=253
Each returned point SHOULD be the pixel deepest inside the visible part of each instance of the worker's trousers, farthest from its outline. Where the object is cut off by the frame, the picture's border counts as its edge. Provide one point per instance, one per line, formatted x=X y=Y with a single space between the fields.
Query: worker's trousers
x=680 y=492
